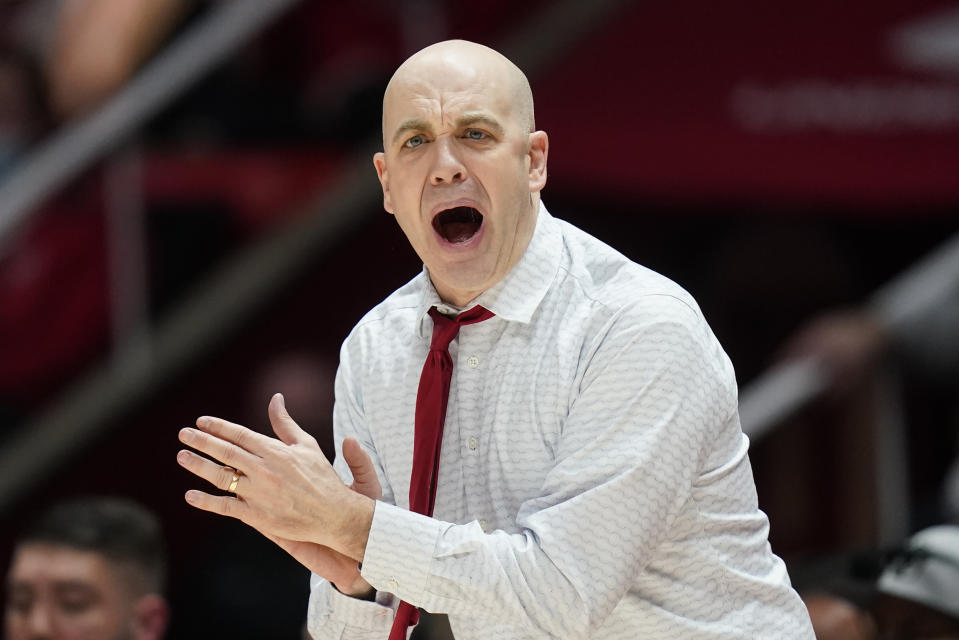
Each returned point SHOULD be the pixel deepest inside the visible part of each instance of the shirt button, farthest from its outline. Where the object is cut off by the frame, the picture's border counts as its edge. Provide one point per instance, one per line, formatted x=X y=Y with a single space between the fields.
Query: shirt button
x=472 y=443
x=393 y=584
x=473 y=362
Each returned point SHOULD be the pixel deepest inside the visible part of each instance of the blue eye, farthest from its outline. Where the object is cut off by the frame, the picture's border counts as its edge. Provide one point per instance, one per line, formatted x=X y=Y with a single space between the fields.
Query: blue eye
x=414 y=142
x=475 y=134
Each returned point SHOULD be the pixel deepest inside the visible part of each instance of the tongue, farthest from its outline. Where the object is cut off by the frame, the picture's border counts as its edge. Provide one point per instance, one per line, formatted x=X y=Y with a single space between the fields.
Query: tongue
x=459 y=224
x=457 y=232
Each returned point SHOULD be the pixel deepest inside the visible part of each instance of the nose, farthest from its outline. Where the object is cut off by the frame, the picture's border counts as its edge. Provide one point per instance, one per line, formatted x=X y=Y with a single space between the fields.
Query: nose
x=39 y=623
x=448 y=167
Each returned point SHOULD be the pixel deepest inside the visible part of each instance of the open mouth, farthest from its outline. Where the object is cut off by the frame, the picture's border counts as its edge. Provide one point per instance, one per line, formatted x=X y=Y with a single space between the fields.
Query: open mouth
x=458 y=224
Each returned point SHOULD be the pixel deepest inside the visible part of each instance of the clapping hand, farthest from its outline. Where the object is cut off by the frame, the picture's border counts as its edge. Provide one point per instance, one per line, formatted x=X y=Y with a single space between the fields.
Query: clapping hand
x=287 y=490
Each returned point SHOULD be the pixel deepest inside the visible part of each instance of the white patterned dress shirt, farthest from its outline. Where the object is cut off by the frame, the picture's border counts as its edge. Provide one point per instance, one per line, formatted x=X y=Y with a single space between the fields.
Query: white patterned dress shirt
x=593 y=479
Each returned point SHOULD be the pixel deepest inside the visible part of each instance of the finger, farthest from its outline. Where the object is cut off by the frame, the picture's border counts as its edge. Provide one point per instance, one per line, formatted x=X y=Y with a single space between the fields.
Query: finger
x=283 y=425
x=218 y=475
x=365 y=480
x=218 y=449
x=247 y=439
x=222 y=505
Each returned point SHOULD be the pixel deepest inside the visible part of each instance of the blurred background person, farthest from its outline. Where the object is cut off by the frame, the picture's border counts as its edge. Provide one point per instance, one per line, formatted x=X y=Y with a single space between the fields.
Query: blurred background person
x=919 y=588
x=910 y=592
x=835 y=618
x=98 y=45
x=88 y=49
x=93 y=568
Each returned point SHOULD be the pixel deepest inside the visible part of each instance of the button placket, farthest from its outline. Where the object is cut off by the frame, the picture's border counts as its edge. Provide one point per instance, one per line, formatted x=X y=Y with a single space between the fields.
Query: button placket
x=473 y=344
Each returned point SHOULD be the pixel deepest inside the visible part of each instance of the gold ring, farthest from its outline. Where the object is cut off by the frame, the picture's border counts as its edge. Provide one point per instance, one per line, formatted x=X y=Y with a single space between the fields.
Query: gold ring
x=234 y=481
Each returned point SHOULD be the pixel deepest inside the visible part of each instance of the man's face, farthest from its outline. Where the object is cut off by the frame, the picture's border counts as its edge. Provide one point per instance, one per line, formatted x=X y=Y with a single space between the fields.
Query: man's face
x=460 y=170
x=65 y=594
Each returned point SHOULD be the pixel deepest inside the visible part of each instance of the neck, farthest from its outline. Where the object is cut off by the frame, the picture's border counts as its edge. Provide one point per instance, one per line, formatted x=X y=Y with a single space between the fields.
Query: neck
x=458 y=299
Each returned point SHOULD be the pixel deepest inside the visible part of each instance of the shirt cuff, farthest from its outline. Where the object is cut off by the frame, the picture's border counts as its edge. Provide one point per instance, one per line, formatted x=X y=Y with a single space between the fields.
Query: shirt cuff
x=330 y=607
x=399 y=552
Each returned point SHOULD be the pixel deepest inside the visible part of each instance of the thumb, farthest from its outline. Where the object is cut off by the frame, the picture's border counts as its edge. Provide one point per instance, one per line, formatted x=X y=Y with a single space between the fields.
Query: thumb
x=365 y=481
x=283 y=425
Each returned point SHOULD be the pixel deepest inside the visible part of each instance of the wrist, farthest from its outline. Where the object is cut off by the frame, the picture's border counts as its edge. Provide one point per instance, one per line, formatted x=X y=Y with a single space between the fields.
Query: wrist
x=359 y=589
x=355 y=532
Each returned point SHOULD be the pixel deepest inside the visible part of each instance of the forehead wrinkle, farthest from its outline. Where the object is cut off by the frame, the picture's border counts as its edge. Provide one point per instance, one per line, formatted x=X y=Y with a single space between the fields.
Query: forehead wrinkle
x=409 y=99
x=466 y=71
x=411 y=124
x=449 y=109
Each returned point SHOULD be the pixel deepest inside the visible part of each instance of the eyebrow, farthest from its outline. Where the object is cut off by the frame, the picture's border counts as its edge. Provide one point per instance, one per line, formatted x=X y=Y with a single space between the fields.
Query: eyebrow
x=73 y=584
x=410 y=124
x=468 y=119
x=465 y=120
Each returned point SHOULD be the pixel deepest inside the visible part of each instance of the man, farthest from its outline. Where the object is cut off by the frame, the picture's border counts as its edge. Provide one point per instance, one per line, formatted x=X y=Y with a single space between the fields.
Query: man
x=91 y=569
x=594 y=480
x=919 y=587
x=914 y=592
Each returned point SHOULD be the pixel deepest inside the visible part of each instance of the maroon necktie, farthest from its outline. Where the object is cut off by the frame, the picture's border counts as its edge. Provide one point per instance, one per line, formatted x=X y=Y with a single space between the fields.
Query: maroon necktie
x=431 y=399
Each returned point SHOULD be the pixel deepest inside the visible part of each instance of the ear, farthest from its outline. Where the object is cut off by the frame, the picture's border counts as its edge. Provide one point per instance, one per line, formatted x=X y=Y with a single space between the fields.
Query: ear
x=538 y=152
x=379 y=161
x=151 y=616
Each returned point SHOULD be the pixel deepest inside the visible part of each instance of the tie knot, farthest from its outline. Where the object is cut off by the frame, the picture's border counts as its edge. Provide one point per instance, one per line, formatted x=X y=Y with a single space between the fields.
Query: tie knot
x=446 y=328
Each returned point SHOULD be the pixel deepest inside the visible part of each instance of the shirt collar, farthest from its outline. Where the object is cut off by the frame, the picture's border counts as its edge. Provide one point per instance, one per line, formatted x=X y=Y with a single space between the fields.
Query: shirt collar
x=515 y=297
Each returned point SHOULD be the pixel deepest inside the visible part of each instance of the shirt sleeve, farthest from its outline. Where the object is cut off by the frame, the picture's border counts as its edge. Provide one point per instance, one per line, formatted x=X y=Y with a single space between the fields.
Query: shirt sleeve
x=653 y=393
x=332 y=614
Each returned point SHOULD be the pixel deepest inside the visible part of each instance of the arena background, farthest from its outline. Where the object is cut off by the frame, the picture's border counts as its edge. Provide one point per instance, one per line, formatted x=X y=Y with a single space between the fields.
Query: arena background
x=777 y=160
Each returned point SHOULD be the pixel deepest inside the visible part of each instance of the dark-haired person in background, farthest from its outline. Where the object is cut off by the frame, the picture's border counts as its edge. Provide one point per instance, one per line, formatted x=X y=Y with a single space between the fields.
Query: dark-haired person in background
x=88 y=569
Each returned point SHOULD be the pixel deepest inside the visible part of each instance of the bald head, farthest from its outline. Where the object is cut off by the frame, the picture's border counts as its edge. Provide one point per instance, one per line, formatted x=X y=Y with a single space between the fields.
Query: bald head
x=460 y=63
x=458 y=137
